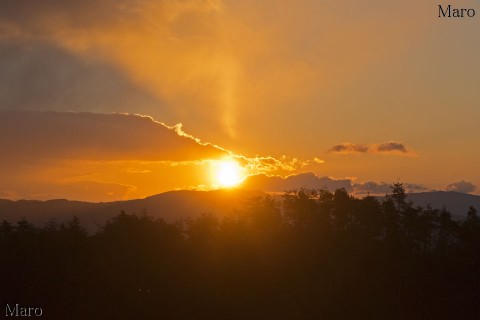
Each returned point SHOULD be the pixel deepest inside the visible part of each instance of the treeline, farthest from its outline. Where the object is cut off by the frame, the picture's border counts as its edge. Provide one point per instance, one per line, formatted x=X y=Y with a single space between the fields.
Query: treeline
x=315 y=255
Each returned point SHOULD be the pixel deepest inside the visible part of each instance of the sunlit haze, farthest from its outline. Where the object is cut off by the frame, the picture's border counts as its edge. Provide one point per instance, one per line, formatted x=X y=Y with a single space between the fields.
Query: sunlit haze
x=228 y=173
x=108 y=100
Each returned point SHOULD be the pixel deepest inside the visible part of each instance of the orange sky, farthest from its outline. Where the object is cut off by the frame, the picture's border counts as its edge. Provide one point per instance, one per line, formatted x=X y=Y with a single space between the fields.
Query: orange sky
x=378 y=91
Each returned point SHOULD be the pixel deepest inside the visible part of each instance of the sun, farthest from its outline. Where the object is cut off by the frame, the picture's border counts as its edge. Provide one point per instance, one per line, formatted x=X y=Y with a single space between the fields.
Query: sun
x=228 y=173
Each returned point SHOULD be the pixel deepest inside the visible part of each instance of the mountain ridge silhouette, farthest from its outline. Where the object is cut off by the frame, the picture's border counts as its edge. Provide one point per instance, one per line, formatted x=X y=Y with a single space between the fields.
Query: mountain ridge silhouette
x=182 y=204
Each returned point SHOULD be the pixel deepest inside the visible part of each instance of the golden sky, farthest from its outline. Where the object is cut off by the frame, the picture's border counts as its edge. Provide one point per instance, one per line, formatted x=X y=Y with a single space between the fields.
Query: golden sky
x=365 y=92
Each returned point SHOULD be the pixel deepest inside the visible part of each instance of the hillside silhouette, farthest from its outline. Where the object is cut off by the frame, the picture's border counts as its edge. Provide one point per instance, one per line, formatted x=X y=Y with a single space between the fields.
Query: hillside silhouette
x=177 y=205
x=170 y=206
x=314 y=255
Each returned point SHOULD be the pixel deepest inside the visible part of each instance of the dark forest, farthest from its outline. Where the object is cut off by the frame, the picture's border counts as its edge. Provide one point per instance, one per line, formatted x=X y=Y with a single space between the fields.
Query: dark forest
x=314 y=255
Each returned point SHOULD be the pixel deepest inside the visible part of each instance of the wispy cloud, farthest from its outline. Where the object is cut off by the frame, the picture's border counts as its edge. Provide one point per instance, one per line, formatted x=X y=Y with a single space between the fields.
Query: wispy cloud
x=261 y=164
x=276 y=166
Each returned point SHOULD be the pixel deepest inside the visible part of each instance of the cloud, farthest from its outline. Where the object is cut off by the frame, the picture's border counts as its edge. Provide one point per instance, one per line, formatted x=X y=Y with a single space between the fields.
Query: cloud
x=40 y=76
x=261 y=165
x=232 y=57
x=302 y=180
x=382 y=188
x=390 y=148
x=281 y=166
x=462 y=186
x=137 y=171
x=79 y=190
x=318 y=160
x=173 y=50
x=107 y=157
x=97 y=157
x=36 y=136
x=372 y=187
x=346 y=148
x=311 y=181
x=223 y=68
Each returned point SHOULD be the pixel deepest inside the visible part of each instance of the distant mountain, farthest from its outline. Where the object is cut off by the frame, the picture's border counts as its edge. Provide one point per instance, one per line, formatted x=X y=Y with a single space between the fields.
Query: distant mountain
x=178 y=205
x=171 y=206
x=455 y=202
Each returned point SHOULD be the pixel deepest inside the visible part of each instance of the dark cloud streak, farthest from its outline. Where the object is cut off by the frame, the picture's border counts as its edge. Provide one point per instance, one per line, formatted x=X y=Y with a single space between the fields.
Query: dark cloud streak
x=392 y=148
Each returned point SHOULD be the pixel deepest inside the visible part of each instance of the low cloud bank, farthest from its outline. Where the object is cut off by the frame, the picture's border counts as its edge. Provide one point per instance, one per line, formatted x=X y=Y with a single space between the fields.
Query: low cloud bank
x=462 y=186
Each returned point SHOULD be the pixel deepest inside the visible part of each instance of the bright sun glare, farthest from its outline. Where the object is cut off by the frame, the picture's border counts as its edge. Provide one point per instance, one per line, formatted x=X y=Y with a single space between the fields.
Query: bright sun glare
x=228 y=173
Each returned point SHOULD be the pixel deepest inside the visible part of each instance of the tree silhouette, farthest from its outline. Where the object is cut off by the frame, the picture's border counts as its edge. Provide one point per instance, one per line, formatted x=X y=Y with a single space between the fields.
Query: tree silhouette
x=314 y=254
